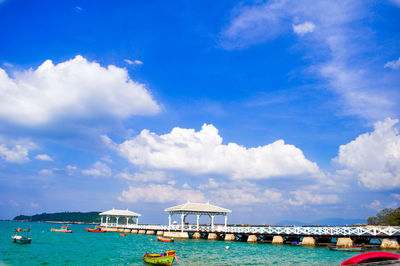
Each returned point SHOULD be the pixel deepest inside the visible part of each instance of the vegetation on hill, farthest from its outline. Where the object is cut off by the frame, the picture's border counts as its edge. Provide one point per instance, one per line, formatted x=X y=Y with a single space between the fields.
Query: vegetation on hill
x=386 y=216
x=85 y=217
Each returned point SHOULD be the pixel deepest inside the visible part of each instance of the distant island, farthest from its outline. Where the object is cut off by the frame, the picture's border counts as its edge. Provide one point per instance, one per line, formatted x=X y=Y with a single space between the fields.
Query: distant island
x=82 y=217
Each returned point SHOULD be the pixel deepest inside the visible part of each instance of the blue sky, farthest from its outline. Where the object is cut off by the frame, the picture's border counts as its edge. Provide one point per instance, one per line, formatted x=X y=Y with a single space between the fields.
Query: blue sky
x=277 y=110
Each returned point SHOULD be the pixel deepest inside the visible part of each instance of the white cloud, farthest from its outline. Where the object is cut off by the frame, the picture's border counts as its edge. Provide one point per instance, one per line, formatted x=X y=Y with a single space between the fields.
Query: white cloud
x=202 y=152
x=146 y=176
x=305 y=197
x=75 y=89
x=98 y=169
x=396 y=196
x=18 y=152
x=71 y=169
x=374 y=158
x=134 y=62
x=160 y=193
x=303 y=28
x=395 y=64
x=43 y=157
x=375 y=205
x=46 y=172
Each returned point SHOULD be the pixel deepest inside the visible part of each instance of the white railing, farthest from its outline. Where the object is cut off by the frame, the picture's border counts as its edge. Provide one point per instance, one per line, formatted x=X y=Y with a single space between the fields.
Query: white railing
x=273 y=230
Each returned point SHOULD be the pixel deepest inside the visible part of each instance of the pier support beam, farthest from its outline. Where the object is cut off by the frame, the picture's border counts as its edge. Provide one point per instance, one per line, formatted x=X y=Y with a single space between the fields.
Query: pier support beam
x=196 y=235
x=308 y=241
x=230 y=237
x=344 y=242
x=177 y=234
x=142 y=232
x=127 y=230
x=277 y=240
x=134 y=231
x=390 y=244
x=212 y=236
x=252 y=239
x=150 y=232
x=160 y=233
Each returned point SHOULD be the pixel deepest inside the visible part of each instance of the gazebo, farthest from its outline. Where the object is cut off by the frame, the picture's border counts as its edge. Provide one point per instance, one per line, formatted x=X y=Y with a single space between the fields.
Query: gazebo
x=197 y=209
x=117 y=214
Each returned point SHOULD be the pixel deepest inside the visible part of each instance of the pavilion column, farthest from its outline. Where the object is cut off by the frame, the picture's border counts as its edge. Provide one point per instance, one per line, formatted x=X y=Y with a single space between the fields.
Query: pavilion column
x=182 y=219
x=198 y=218
x=137 y=220
x=127 y=219
x=226 y=220
x=101 y=219
x=117 y=220
x=107 y=219
x=169 y=222
x=212 y=222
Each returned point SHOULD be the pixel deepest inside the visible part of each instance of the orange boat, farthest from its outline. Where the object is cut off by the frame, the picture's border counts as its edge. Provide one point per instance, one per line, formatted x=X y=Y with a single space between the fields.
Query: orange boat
x=122 y=234
x=164 y=239
x=97 y=229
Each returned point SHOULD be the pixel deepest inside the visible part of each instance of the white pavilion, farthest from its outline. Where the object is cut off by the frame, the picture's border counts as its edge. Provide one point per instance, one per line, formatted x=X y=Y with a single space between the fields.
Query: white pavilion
x=197 y=209
x=112 y=217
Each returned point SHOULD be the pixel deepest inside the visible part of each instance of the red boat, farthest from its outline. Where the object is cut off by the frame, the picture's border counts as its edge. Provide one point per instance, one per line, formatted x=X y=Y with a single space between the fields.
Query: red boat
x=164 y=239
x=375 y=256
x=97 y=229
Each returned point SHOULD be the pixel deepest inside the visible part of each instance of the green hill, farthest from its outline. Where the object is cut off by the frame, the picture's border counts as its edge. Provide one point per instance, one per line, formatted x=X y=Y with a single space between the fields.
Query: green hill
x=85 y=217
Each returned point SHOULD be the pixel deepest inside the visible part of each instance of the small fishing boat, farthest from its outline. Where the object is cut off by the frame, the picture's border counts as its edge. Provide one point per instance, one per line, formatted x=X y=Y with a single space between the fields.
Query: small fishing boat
x=373 y=257
x=164 y=239
x=296 y=243
x=166 y=258
x=96 y=229
x=349 y=249
x=17 y=238
x=63 y=229
x=122 y=234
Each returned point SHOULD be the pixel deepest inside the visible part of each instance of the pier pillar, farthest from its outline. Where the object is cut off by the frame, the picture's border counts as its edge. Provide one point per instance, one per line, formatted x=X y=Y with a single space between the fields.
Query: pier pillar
x=308 y=241
x=127 y=230
x=390 y=244
x=177 y=234
x=230 y=237
x=120 y=230
x=160 y=233
x=252 y=238
x=212 y=236
x=196 y=235
x=277 y=240
x=150 y=232
x=344 y=242
x=142 y=232
x=134 y=231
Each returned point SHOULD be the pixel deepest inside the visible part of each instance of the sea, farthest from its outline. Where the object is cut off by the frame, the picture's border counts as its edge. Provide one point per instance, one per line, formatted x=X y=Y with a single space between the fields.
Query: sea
x=84 y=248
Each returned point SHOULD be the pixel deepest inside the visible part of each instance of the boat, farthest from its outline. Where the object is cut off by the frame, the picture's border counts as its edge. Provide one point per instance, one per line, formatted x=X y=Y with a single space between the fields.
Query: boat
x=63 y=229
x=96 y=229
x=372 y=257
x=166 y=258
x=17 y=238
x=164 y=239
x=122 y=234
x=296 y=243
x=349 y=249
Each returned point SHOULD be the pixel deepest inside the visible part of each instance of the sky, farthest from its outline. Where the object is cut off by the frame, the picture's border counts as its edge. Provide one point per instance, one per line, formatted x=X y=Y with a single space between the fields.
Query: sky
x=277 y=110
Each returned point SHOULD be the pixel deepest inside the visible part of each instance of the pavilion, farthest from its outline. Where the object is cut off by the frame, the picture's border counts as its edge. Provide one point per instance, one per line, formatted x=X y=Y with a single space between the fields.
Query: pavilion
x=117 y=214
x=197 y=209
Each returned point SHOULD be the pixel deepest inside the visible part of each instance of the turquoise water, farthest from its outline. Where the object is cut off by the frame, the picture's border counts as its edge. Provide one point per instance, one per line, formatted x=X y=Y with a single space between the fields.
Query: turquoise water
x=83 y=248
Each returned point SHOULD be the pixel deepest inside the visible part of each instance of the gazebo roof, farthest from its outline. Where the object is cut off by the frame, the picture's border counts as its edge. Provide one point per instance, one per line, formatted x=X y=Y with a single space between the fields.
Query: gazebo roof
x=197 y=207
x=115 y=212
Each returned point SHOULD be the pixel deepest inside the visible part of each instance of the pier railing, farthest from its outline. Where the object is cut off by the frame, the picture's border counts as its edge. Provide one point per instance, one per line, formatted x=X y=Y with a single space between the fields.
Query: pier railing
x=272 y=230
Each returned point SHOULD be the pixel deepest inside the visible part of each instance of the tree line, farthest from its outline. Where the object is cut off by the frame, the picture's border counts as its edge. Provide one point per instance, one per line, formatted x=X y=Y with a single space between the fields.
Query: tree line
x=387 y=216
x=84 y=217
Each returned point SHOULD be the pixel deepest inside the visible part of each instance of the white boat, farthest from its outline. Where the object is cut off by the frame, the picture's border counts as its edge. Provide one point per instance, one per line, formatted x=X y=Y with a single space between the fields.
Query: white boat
x=17 y=238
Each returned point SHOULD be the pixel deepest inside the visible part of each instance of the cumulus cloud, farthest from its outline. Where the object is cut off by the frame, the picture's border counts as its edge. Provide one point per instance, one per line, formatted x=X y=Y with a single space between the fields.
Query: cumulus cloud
x=134 y=62
x=161 y=194
x=74 y=89
x=16 y=152
x=146 y=176
x=303 y=28
x=375 y=205
x=374 y=158
x=44 y=157
x=71 y=169
x=395 y=64
x=99 y=169
x=305 y=197
x=202 y=152
x=46 y=172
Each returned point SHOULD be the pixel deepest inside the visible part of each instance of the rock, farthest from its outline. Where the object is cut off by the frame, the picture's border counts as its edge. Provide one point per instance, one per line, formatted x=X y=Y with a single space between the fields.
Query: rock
x=134 y=231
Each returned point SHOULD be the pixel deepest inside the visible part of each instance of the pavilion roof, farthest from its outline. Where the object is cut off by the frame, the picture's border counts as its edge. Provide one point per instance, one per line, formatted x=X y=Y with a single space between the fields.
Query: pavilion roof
x=197 y=207
x=115 y=212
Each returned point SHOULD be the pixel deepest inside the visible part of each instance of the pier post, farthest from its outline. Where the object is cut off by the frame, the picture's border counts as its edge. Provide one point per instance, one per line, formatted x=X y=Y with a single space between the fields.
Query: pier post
x=142 y=232
x=252 y=238
x=390 y=244
x=134 y=231
x=308 y=241
x=160 y=233
x=212 y=236
x=345 y=242
x=196 y=235
x=277 y=240
x=150 y=232
x=230 y=237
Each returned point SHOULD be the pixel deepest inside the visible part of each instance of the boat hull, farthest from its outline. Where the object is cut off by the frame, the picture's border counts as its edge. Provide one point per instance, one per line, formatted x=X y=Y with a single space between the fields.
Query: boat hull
x=61 y=230
x=21 y=239
x=164 y=239
x=95 y=230
x=160 y=259
x=371 y=257
x=355 y=249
